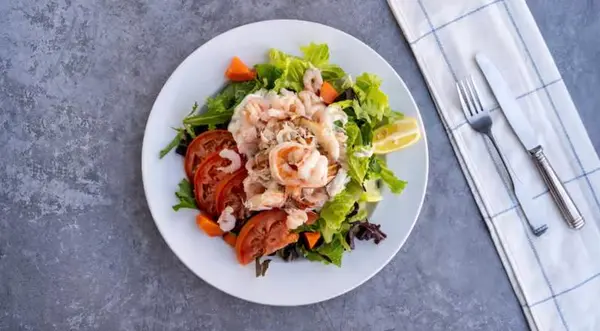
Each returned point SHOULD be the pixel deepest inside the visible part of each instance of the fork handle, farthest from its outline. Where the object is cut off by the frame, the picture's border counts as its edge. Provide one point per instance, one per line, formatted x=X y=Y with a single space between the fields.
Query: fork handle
x=524 y=197
x=563 y=200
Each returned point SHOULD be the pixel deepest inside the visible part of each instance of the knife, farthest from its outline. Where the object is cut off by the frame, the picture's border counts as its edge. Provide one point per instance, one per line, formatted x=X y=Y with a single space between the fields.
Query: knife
x=526 y=135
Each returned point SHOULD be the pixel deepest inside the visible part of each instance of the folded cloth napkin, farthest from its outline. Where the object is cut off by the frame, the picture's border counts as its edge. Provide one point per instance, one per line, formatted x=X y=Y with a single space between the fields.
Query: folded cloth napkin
x=556 y=276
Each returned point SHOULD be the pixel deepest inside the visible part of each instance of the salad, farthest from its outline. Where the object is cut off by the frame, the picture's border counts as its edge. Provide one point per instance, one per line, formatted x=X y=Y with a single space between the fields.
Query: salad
x=285 y=159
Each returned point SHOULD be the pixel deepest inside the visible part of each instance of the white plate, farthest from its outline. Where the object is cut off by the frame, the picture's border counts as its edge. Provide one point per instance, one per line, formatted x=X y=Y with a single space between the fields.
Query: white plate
x=286 y=284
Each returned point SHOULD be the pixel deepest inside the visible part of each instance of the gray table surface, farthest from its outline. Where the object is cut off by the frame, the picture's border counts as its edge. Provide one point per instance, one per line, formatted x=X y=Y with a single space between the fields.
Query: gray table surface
x=78 y=247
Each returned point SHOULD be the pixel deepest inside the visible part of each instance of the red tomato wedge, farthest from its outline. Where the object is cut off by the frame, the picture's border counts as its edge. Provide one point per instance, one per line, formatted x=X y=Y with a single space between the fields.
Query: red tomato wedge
x=263 y=234
x=230 y=192
x=207 y=143
x=206 y=179
x=312 y=217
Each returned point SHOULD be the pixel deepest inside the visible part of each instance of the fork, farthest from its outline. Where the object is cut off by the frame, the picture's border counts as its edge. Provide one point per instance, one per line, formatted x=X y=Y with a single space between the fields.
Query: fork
x=479 y=119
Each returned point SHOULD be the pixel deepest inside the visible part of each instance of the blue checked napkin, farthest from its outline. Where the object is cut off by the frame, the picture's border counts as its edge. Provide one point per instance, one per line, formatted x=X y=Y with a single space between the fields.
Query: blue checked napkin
x=557 y=276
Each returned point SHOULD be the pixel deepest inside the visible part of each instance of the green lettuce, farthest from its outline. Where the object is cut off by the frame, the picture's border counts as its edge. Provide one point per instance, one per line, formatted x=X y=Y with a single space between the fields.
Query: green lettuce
x=185 y=195
x=317 y=54
x=219 y=108
x=379 y=170
x=268 y=74
x=334 y=212
x=178 y=137
x=293 y=67
x=357 y=166
x=373 y=101
x=331 y=252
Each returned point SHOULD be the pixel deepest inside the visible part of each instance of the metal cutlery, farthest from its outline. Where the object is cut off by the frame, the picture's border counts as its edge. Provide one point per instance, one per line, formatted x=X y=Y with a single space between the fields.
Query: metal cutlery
x=526 y=135
x=480 y=120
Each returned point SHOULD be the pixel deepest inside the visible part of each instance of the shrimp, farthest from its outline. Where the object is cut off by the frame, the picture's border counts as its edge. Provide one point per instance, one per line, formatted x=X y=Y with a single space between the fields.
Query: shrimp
x=313 y=80
x=287 y=103
x=295 y=218
x=258 y=169
x=246 y=121
x=287 y=133
x=328 y=116
x=247 y=139
x=226 y=220
x=236 y=161
x=271 y=197
x=307 y=198
x=337 y=184
x=325 y=137
x=294 y=164
x=311 y=102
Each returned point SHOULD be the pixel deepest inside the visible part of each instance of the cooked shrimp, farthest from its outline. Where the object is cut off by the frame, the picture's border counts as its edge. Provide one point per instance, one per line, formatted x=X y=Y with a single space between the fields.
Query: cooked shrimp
x=309 y=98
x=236 y=161
x=338 y=183
x=258 y=169
x=308 y=198
x=311 y=102
x=328 y=116
x=226 y=219
x=246 y=139
x=293 y=164
x=313 y=80
x=325 y=137
x=295 y=218
x=245 y=122
x=287 y=133
x=272 y=197
x=275 y=113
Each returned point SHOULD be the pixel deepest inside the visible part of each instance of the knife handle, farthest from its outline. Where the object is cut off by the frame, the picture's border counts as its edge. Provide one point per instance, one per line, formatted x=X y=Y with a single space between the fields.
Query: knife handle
x=567 y=207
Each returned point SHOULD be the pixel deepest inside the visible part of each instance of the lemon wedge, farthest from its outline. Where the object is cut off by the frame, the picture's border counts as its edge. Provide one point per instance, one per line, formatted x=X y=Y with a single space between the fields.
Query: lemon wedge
x=395 y=136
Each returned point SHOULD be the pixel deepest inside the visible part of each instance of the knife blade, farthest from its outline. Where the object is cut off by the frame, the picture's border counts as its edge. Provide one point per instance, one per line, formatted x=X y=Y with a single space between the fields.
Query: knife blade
x=508 y=103
x=526 y=134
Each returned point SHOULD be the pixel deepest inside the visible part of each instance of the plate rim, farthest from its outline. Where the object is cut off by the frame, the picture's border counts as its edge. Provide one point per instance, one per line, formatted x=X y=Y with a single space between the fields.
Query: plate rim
x=423 y=135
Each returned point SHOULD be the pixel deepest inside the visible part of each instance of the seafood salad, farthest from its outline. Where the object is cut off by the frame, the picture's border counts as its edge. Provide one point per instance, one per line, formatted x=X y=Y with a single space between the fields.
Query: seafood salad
x=286 y=158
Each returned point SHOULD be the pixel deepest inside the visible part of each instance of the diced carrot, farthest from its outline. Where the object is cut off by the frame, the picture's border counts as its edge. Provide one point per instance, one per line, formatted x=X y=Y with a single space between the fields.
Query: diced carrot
x=238 y=71
x=311 y=238
x=210 y=227
x=230 y=238
x=328 y=93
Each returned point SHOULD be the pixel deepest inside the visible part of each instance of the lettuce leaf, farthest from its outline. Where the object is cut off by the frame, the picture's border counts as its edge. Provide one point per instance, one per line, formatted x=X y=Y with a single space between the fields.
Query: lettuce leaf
x=268 y=74
x=185 y=195
x=331 y=252
x=317 y=54
x=333 y=73
x=178 y=137
x=357 y=166
x=335 y=210
x=219 y=108
x=373 y=101
x=292 y=68
x=342 y=104
x=379 y=170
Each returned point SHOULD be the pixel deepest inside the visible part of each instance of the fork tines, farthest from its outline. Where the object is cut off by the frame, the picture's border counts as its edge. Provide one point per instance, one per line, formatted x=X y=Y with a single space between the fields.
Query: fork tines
x=469 y=97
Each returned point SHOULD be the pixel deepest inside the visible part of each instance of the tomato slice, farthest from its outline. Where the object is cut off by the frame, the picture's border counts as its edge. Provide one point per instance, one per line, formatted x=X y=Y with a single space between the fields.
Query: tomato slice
x=205 y=144
x=263 y=234
x=312 y=217
x=230 y=192
x=207 y=177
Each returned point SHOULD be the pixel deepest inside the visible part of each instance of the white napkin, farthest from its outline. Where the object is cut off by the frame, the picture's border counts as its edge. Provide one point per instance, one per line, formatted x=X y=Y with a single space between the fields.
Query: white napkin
x=557 y=276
